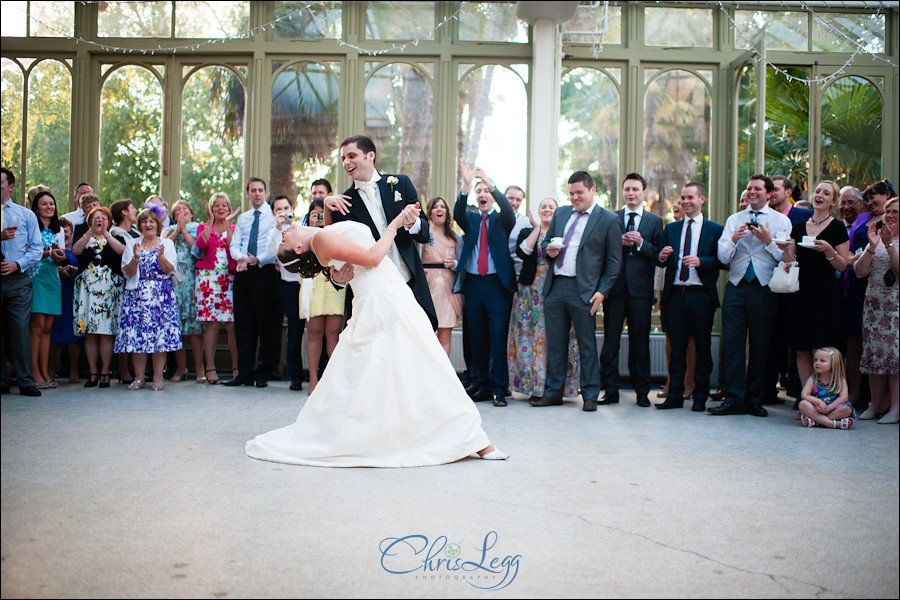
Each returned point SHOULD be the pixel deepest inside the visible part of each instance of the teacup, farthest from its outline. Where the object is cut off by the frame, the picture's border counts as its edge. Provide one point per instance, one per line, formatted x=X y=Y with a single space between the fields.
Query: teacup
x=556 y=241
x=781 y=236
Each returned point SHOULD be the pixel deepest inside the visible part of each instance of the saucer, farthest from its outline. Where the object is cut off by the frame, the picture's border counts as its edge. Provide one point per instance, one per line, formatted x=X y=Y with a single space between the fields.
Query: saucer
x=810 y=246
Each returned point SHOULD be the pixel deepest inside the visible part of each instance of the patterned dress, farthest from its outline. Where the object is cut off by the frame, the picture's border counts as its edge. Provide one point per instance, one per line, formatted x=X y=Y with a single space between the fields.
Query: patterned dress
x=447 y=305
x=214 y=294
x=527 y=343
x=149 y=321
x=184 y=291
x=98 y=291
x=881 y=321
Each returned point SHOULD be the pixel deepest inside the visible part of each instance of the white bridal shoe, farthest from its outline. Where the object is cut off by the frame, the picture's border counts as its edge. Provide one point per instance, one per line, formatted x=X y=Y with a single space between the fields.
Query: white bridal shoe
x=494 y=454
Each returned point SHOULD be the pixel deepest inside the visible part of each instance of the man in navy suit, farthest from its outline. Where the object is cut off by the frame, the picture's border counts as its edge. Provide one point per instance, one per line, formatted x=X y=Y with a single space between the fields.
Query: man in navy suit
x=690 y=297
x=581 y=274
x=632 y=295
x=487 y=278
x=375 y=200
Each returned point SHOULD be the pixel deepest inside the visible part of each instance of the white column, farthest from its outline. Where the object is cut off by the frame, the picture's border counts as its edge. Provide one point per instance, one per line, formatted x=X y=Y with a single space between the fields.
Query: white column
x=546 y=73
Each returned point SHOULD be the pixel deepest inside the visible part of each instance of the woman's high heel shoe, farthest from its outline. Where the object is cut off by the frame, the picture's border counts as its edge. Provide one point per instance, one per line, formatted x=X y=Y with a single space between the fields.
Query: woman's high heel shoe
x=104 y=380
x=93 y=380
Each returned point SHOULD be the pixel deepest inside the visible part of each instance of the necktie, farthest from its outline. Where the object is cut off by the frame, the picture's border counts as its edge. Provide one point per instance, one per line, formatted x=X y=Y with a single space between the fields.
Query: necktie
x=254 y=233
x=367 y=193
x=750 y=273
x=686 y=251
x=562 y=253
x=483 y=247
x=630 y=227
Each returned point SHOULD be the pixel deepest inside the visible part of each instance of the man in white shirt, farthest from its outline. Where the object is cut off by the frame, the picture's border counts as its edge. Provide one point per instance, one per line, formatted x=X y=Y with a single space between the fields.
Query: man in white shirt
x=748 y=308
x=516 y=197
x=256 y=304
x=78 y=216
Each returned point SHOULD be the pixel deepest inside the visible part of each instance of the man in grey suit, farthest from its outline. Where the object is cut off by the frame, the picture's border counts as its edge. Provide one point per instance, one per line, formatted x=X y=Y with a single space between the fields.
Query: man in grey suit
x=583 y=269
x=632 y=295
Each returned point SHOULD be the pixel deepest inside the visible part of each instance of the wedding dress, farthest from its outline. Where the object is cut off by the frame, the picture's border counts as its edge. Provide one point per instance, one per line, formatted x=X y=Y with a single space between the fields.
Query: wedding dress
x=390 y=396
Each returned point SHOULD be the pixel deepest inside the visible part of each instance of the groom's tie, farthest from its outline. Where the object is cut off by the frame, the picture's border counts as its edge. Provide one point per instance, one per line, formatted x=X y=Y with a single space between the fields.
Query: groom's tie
x=367 y=193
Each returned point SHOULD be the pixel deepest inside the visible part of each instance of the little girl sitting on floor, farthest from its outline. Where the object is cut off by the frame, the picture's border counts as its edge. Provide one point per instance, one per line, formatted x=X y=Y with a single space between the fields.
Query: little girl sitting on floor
x=824 y=397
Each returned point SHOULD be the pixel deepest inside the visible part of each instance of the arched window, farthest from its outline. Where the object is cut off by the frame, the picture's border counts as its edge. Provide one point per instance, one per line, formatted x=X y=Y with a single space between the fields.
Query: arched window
x=851 y=132
x=677 y=117
x=130 y=134
x=304 y=125
x=493 y=117
x=398 y=119
x=49 y=120
x=11 y=99
x=212 y=135
x=589 y=131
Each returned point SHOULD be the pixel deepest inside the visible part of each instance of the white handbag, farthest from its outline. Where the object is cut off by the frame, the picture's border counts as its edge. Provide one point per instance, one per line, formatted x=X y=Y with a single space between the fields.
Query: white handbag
x=785 y=278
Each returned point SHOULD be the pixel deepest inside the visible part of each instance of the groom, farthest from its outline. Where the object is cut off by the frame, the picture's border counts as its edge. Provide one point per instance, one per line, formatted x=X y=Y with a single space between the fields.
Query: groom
x=374 y=200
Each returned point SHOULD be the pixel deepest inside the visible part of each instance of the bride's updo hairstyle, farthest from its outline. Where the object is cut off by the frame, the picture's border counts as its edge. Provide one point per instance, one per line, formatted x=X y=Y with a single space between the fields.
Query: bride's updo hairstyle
x=305 y=265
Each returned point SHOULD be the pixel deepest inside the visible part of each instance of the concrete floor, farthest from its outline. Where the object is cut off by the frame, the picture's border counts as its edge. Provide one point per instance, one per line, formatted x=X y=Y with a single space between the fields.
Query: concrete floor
x=109 y=493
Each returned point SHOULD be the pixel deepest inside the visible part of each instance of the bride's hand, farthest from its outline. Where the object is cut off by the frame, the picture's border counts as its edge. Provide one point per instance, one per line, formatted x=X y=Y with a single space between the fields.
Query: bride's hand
x=408 y=215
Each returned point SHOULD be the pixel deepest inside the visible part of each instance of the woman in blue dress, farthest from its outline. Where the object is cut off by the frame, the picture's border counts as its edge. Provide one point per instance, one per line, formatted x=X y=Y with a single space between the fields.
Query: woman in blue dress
x=149 y=320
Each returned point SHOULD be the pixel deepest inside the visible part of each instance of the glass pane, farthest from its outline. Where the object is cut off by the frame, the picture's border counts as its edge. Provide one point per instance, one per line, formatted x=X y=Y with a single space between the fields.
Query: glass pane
x=49 y=116
x=11 y=101
x=211 y=19
x=399 y=20
x=833 y=32
x=783 y=30
x=493 y=110
x=212 y=136
x=746 y=142
x=304 y=128
x=851 y=132
x=52 y=19
x=398 y=119
x=589 y=132
x=678 y=27
x=787 y=125
x=135 y=19
x=13 y=19
x=308 y=20
x=130 y=130
x=587 y=24
x=492 y=22
x=676 y=137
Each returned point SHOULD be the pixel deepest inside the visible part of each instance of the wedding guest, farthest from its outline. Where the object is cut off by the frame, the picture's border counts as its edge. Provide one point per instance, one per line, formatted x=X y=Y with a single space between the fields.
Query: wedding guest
x=162 y=208
x=63 y=331
x=289 y=290
x=98 y=293
x=780 y=200
x=215 y=276
x=21 y=249
x=78 y=216
x=516 y=197
x=849 y=205
x=439 y=262
x=527 y=344
x=747 y=247
x=46 y=299
x=184 y=234
x=125 y=216
x=813 y=315
x=256 y=316
x=89 y=202
x=34 y=190
x=881 y=324
x=323 y=307
x=149 y=320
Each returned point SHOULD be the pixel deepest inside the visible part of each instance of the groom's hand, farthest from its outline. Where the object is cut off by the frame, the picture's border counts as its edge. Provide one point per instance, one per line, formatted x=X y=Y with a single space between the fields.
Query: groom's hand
x=343 y=275
x=338 y=203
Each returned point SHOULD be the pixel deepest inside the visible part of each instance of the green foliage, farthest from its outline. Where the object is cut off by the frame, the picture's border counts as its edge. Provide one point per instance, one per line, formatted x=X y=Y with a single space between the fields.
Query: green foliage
x=49 y=117
x=851 y=132
x=11 y=117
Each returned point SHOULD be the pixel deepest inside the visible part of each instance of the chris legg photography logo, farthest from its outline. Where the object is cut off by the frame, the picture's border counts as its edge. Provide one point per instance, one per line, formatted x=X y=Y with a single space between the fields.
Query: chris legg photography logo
x=478 y=565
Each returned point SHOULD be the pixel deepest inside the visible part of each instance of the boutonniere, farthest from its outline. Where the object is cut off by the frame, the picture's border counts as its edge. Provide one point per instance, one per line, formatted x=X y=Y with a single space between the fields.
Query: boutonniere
x=392 y=181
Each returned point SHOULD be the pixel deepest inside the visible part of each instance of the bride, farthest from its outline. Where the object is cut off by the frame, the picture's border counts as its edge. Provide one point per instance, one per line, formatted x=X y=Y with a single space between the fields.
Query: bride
x=389 y=397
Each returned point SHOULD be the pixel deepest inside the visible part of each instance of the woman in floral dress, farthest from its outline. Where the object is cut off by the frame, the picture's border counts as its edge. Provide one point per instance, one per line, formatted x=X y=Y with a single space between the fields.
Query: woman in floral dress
x=183 y=234
x=215 y=274
x=527 y=344
x=149 y=321
x=98 y=292
x=439 y=260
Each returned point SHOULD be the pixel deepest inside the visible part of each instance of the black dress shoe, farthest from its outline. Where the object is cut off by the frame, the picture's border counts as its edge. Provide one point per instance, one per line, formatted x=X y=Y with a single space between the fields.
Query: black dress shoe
x=726 y=409
x=237 y=381
x=472 y=389
x=261 y=383
x=499 y=400
x=296 y=385
x=590 y=405
x=699 y=406
x=484 y=395
x=547 y=401
x=757 y=410
x=671 y=402
x=29 y=391
x=643 y=401
x=611 y=397
x=772 y=400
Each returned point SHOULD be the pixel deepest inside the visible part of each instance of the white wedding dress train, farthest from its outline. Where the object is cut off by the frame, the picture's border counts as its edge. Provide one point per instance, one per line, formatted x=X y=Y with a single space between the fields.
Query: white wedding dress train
x=390 y=396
